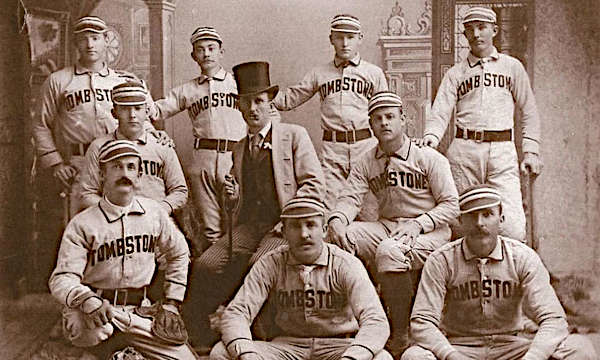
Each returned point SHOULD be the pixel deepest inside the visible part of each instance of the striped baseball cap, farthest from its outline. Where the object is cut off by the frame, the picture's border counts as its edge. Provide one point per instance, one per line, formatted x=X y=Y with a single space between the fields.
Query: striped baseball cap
x=115 y=149
x=130 y=93
x=384 y=99
x=478 y=197
x=89 y=23
x=301 y=207
x=345 y=23
x=480 y=13
x=205 y=33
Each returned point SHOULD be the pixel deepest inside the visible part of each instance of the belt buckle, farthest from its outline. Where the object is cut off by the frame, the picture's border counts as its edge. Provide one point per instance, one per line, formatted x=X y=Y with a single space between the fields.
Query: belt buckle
x=478 y=135
x=353 y=140
x=116 y=298
x=224 y=142
x=196 y=143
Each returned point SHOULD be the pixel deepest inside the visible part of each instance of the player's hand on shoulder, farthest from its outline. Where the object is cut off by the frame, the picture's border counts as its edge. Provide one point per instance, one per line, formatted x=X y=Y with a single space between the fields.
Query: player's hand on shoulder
x=431 y=141
x=531 y=164
x=336 y=234
x=65 y=173
x=163 y=138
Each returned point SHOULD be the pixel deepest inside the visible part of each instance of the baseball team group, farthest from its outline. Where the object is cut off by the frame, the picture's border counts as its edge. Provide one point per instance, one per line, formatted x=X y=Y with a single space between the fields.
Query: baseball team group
x=290 y=268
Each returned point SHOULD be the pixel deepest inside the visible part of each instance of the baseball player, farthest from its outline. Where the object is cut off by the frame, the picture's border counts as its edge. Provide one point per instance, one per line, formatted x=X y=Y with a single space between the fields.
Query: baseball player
x=484 y=89
x=480 y=283
x=162 y=177
x=417 y=199
x=217 y=125
x=344 y=86
x=324 y=301
x=272 y=164
x=76 y=106
x=107 y=258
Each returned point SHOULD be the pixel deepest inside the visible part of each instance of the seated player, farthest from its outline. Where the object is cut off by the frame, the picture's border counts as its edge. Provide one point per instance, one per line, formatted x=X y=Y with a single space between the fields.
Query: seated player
x=472 y=290
x=417 y=199
x=107 y=259
x=325 y=303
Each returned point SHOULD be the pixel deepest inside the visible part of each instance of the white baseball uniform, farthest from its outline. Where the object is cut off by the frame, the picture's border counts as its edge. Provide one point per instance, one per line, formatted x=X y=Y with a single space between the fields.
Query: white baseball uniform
x=327 y=310
x=162 y=177
x=76 y=106
x=215 y=116
x=478 y=304
x=484 y=93
x=344 y=91
x=413 y=183
x=107 y=248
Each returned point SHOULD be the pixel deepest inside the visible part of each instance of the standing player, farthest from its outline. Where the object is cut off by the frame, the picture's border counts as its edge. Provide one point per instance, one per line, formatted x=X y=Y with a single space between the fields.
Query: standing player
x=344 y=86
x=325 y=303
x=76 y=106
x=162 y=178
x=217 y=124
x=417 y=199
x=484 y=89
x=474 y=289
x=107 y=258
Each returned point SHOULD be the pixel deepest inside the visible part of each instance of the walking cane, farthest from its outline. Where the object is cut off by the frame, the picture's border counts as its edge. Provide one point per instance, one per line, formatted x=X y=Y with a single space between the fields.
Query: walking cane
x=229 y=205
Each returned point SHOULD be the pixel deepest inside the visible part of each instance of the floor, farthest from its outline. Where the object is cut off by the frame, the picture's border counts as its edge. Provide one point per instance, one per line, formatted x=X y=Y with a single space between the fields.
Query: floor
x=30 y=329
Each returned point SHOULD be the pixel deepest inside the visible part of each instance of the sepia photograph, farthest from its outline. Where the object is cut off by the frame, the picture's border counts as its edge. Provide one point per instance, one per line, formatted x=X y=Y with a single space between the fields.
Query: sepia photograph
x=301 y=180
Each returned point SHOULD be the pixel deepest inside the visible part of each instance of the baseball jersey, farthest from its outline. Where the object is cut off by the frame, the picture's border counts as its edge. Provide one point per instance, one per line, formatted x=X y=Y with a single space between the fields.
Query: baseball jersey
x=484 y=92
x=162 y=177
x=332 y=297
x=344 y=91
x=111 y=247
x=483 y=296
x=211 y=106
x=415 y=182
x=75 y=108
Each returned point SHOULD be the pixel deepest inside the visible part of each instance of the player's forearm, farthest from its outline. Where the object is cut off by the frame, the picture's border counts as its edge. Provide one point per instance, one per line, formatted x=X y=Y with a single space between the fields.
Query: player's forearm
x=178 y=259
x=46 y=150
x=551 y=333
x=444 y=212
x=177 y=197
x=293 y=97
x=67 y=289
x=427 y=335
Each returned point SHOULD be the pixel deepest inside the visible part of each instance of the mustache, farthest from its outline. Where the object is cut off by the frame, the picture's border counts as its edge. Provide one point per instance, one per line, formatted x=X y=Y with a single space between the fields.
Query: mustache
x=124 y=181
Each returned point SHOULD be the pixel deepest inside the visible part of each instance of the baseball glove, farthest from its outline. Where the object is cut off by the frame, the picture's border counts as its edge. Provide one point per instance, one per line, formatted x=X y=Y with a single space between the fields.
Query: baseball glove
x=167 y=325
x=129 y=353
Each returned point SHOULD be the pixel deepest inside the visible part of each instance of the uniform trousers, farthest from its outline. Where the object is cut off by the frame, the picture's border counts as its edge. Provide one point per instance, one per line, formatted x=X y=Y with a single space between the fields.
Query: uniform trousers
x=365 y=239
x=495 y=163
x=337 y=158
x=508 y=347
x=295 y=348
x=207 y=173
x=136 y=331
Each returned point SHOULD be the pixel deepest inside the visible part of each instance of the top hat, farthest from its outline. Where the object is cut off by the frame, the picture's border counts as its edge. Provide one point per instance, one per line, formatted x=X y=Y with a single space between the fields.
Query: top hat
x=253 y=78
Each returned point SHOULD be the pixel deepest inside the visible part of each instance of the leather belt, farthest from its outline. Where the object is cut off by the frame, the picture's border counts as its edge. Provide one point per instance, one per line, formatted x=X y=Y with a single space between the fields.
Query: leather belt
x=79 y=149
x=221 y=145
x=484 y=135
x=349 y=137
x=127 y=296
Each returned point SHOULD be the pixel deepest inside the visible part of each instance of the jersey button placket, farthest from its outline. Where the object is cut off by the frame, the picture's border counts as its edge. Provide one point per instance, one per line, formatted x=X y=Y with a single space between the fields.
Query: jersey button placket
x=481 y=266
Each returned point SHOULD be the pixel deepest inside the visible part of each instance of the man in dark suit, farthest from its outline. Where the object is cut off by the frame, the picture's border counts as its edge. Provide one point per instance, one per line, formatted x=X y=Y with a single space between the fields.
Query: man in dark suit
x=273 y=164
